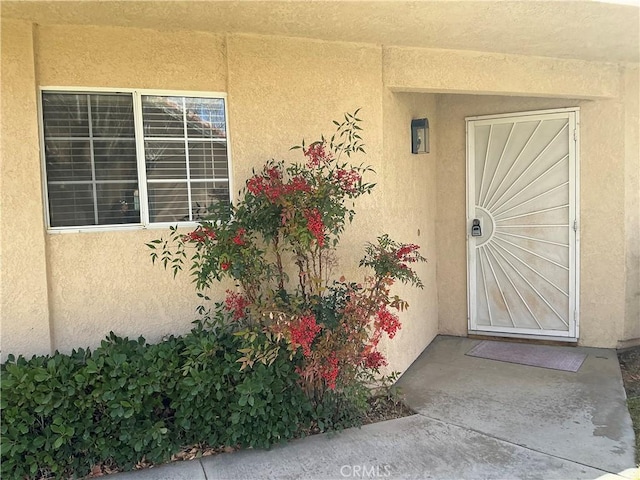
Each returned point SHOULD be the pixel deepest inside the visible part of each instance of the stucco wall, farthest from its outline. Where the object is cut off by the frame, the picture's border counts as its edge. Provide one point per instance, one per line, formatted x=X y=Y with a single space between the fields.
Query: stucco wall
x=280 y=91
x=602 y=206
x=72 y=289
x=443 y=71
x=103 y=281
x=24 y=306
x=129 y=58
x=410 y=211
x=631 y=79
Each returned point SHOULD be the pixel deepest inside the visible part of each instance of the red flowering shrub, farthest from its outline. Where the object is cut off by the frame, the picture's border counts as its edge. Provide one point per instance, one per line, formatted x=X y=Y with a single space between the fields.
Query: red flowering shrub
x=387 y=321
x=315 y=225
x=303 y=331
x=374 y=360
x=291 y=218
x=236 y=304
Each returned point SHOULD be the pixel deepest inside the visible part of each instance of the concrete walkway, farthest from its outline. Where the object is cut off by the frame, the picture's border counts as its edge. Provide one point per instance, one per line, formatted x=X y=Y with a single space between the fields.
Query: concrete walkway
x=477 y=419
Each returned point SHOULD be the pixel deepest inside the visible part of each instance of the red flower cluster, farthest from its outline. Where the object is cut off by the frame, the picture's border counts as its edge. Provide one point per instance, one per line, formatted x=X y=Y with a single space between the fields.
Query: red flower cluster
x=315 y=225
x=238 y=240
x=387 y=321
x=317 y=155
x=225 y=266
x=297 y=184
x=270 y=185
x=347 y=179
x=303 y=332
x=236 y=304
x=330 y=371
x=199 y=235
x=404 y=253
x=374 y=360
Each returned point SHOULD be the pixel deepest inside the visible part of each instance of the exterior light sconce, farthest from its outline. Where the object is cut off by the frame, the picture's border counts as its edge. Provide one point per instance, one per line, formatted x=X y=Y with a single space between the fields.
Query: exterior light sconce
x=420 y=135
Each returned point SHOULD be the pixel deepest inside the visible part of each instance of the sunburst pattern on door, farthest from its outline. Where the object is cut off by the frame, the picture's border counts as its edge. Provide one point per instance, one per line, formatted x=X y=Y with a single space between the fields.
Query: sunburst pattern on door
x=522 y=191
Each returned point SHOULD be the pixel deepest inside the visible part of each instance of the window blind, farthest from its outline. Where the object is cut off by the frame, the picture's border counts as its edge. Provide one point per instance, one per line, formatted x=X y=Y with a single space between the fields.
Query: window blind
x=91 y=157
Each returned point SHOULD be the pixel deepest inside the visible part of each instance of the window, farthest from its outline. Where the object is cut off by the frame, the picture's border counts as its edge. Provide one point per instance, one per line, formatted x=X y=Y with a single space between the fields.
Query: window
x=116 y=158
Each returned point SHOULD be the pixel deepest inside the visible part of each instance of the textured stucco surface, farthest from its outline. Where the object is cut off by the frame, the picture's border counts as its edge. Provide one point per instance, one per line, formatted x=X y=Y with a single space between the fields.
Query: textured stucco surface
x=284 y=90
x=589 y=30
x=129 y=58
x=24 y=309
x=280 y=91
x=104 y=281
x=631 y=80
x=419 y=69
x=75 y=288
x=409 y=182
x=602 y=206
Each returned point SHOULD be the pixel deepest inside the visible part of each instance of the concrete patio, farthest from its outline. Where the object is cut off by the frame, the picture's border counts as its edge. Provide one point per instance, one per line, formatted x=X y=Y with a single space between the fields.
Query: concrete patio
x=476 y=419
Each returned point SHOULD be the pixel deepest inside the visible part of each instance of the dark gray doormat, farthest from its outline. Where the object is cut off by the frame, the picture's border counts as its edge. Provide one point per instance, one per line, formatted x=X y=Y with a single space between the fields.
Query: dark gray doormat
x=533 y=355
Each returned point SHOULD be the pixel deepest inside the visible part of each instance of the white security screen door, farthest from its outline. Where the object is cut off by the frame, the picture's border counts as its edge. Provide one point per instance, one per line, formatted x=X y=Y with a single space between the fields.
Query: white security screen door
x=522 y=221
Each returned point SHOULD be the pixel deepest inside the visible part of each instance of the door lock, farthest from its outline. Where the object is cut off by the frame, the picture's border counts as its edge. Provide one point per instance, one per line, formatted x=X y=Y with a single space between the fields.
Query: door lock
x=476 y=229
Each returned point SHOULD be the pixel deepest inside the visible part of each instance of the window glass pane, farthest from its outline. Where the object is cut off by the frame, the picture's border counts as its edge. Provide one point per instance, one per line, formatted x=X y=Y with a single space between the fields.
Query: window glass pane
x=168 y=202
x=165 y=159
x=207 y=159
x=205 y=117
x=115 y=159
x=90 y=146
x=71 y=205
x=205 y=194
x=65 y=115
x=112 y=115
x=117 y=203
x=199 y=123
x=68 y=160
x=92 y=166
x=163 y=116
x=170 y=116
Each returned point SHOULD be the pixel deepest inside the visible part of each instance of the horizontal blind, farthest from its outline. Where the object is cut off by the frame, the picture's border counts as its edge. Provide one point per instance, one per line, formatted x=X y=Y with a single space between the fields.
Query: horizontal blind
x=185 y=155
x=90 y=155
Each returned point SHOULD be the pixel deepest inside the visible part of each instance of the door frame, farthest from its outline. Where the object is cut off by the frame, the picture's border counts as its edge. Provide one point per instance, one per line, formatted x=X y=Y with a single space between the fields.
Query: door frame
x=574 y=212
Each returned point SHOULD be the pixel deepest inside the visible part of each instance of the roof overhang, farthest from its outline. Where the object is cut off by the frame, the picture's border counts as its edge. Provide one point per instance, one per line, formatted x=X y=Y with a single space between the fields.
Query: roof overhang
x=603 y=31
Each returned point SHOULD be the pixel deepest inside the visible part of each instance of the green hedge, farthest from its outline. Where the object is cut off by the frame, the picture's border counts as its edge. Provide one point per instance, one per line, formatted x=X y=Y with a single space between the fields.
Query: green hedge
x=127 y=399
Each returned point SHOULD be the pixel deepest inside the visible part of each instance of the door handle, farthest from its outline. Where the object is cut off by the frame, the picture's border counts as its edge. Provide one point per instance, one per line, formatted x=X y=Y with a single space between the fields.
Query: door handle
x=476 y=229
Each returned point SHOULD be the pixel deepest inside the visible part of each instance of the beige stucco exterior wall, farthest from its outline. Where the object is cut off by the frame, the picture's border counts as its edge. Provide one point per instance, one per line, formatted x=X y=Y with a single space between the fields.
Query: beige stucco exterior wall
x=130 y=58
x=280 y=91
x=410 y=211
x=104 y=281
x=602 y=206
x=24 y=310
x=75 y=288
x=631 y=79
x=433 y=70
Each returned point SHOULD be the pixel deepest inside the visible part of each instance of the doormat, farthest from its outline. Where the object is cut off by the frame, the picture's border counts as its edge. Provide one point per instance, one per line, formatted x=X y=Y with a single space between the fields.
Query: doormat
x=532 y=355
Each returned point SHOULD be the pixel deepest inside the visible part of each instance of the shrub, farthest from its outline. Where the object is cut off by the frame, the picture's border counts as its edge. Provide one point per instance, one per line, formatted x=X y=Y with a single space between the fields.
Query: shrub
x=129 y=400
x=277 y=243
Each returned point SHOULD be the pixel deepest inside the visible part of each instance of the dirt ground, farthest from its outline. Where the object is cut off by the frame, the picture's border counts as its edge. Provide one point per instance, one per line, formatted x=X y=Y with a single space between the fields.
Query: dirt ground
x=630 y=366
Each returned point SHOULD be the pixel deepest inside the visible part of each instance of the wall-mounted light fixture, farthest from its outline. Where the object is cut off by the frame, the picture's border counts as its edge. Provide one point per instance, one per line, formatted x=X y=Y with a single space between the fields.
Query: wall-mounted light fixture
x=420 y=135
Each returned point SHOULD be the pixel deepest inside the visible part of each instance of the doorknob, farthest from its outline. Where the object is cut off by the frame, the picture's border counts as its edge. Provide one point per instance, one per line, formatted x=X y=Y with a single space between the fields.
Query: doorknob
x=476 y=229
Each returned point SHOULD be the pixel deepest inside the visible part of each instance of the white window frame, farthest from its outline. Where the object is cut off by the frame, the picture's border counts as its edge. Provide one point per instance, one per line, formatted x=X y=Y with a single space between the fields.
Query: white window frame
x=136 y=94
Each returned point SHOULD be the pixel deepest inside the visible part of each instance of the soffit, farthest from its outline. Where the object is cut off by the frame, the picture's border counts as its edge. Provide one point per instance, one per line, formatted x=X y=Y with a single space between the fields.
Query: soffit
x=587 y=29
